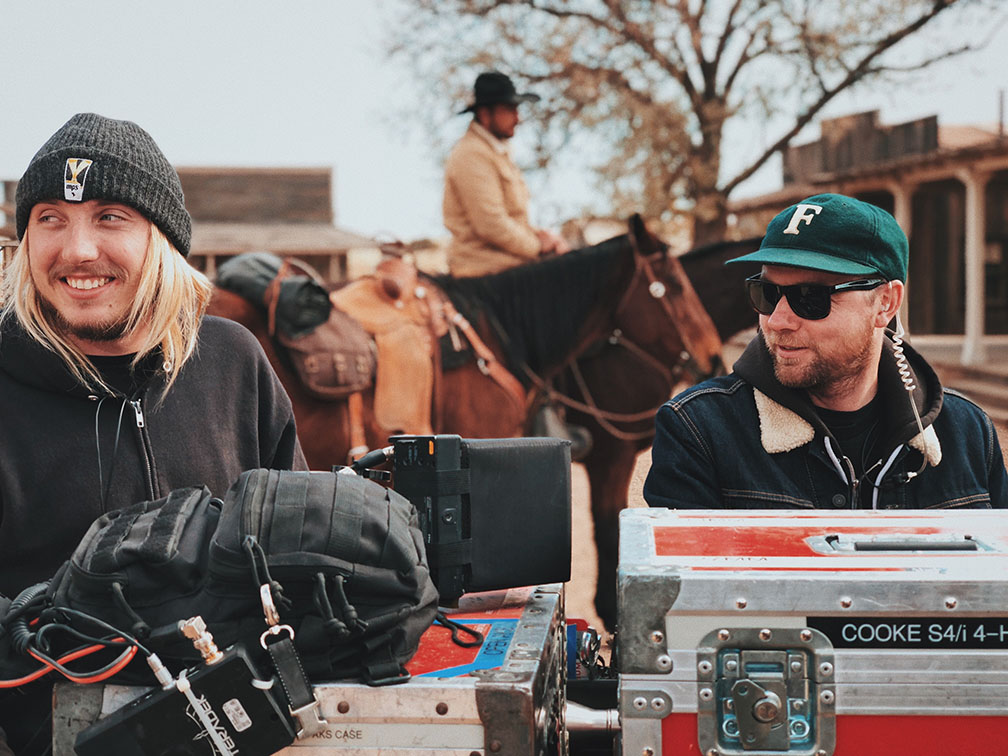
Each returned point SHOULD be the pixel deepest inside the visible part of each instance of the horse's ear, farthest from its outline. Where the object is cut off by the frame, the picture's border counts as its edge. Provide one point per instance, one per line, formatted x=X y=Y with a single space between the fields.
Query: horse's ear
x=637 y=229
x=644 y=241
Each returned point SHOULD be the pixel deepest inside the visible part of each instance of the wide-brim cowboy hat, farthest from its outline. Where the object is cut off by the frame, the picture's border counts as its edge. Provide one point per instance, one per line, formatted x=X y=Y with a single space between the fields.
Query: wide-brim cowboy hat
x=495 y=88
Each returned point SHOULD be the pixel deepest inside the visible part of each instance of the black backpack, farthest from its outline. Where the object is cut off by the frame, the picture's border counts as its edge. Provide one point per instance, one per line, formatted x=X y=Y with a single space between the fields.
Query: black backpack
x=341 y=556
x=345 y=561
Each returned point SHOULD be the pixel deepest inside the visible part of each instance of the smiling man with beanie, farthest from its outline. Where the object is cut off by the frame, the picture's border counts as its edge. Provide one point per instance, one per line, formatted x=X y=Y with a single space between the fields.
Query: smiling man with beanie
x=114 y=386
x=826 y=408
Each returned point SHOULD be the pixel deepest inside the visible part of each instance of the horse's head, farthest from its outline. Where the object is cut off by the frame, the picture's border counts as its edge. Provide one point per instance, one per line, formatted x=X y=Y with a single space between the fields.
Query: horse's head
x=661 y=313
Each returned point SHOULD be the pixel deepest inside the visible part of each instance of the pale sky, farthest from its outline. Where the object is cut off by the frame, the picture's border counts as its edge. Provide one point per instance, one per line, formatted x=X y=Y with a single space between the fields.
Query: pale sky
x=307 y=83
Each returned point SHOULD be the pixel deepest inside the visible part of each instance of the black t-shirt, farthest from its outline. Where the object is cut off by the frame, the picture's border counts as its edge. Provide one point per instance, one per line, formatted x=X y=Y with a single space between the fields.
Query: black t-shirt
x=120 y=374
x=858 y=433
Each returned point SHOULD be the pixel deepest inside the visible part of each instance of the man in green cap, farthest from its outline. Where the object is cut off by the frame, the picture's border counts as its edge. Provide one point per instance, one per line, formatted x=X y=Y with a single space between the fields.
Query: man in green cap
x=826 y=408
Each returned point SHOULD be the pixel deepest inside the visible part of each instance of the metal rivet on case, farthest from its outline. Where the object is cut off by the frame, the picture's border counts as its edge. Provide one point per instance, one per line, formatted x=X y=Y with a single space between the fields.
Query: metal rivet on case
x=845 y=602
x=657 y=636
x=805 y=635
x=441 y=708
x=706 y=694
x=741 y=603
x=664 y=662
x=825 y=669
x=705 y=667
x=343 y=707
x=648 y=751
x=723 y=635
x=765 y=634
x=640 y=703
x=951 y=602
x=731 y=665
x=826 y=696
x=495 y=745
x=713 y=752
x=658 y=704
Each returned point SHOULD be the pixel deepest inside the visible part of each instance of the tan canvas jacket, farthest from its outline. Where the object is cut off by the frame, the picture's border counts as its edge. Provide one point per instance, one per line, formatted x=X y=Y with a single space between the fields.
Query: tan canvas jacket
x=486 y=207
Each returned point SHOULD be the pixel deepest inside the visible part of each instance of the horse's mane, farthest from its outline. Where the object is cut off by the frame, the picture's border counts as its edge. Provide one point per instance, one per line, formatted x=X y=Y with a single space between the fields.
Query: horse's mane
x=719 y=286
x=541 y=307
x=725 y=248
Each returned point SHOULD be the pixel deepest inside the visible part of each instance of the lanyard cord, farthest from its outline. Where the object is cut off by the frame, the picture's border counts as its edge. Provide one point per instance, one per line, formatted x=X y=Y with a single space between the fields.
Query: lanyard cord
x=103 y=487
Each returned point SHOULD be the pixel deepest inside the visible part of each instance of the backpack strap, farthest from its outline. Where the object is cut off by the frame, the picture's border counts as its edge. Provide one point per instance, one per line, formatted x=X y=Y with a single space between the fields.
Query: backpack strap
x=301 y=700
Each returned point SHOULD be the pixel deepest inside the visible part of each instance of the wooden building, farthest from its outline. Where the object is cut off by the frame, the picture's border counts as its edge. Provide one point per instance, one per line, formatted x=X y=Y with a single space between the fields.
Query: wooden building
x=948 y=189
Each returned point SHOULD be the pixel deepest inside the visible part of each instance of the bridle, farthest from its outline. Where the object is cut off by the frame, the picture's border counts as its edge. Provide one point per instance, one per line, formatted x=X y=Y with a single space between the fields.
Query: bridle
x=672 y=376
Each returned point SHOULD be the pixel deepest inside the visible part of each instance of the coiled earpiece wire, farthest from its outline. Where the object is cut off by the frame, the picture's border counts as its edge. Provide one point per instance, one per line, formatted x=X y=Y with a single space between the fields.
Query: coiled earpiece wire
x=908 y=382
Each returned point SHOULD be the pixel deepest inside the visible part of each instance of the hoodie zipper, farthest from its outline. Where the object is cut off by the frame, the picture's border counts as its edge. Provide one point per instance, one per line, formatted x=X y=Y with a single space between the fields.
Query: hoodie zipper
x=145 y=449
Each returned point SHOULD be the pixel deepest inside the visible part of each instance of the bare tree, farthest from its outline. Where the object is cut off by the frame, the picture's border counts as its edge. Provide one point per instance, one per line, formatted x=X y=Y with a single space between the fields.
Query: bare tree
x=646 y=88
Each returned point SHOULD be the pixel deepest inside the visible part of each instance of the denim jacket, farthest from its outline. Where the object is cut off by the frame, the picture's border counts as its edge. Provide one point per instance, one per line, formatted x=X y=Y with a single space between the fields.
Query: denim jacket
x=744 y=441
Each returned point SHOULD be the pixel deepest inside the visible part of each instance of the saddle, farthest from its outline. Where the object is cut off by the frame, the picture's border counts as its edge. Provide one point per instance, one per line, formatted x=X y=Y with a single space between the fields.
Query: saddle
x=384 y=330
x=405 y=320
x=419 y=333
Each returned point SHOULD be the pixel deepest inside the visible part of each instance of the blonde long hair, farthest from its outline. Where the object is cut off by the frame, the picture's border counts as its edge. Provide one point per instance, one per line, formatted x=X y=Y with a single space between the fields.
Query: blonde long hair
x=171 y=299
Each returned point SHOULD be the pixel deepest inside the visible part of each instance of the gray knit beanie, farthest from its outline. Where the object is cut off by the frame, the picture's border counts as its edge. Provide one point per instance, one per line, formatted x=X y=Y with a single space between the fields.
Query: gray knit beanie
x=93 y=157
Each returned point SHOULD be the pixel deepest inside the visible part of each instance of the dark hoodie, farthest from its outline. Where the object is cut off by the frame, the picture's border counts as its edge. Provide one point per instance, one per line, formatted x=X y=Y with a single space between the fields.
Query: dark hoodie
x=68 y=454
x=744 y=441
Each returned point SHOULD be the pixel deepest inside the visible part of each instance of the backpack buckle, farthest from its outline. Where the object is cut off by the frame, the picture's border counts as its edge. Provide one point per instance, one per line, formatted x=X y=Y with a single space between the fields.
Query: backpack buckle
x=308 y=719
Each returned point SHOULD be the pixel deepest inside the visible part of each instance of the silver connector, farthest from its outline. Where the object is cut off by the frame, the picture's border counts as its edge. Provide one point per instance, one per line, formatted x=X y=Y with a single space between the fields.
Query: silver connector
x=195 y=629
x=584 y=719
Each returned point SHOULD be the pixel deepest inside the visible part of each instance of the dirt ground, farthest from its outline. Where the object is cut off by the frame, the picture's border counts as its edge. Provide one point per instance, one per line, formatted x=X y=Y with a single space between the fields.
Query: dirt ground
x=581 y=589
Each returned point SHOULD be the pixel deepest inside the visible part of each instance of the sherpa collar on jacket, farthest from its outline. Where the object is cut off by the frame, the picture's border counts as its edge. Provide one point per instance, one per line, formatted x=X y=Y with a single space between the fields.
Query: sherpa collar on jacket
x=788 y=419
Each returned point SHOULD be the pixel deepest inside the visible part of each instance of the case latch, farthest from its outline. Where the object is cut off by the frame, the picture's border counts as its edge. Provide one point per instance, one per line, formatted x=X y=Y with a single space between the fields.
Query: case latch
x=766 y=691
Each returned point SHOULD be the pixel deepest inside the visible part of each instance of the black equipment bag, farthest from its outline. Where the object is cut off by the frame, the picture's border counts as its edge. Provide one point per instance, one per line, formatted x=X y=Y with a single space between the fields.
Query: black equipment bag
x=343 y=558
x=142 y=568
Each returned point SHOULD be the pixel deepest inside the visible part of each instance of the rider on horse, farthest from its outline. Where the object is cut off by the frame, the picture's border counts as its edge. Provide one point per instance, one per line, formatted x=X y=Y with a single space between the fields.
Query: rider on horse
x=485 y=198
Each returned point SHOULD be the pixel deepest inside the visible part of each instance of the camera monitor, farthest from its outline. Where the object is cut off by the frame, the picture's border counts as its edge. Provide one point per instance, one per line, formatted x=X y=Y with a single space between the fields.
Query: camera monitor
x=495 y=513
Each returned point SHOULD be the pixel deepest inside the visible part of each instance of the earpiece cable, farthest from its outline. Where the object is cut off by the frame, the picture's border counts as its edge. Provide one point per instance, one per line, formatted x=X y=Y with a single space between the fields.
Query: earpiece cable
x=908 y=382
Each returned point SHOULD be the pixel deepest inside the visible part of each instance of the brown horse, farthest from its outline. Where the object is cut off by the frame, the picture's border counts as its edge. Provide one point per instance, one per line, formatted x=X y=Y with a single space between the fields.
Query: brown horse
x=538 y=318
x=621 y=421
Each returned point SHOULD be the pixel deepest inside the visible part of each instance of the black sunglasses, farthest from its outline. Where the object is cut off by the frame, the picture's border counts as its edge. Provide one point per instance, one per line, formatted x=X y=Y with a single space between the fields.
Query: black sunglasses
x=809 y=301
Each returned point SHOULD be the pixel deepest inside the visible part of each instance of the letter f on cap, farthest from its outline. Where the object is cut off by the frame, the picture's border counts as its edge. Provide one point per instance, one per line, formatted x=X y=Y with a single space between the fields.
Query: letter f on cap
x=802 y=213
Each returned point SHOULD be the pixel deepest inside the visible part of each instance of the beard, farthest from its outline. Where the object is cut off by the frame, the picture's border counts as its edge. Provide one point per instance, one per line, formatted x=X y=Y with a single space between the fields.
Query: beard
x=826 y=372
x=96 y=331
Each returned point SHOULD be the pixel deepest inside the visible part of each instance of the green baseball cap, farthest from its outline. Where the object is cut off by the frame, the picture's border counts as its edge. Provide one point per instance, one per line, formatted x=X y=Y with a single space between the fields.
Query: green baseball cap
x=837 y=234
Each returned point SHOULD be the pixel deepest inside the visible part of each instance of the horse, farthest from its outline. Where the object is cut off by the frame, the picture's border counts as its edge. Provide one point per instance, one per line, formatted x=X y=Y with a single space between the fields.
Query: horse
x=537 y=318
x=621 y=422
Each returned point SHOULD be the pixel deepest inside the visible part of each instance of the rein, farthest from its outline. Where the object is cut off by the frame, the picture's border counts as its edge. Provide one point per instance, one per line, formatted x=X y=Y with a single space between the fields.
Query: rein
x=606 y=418
x=658 y=290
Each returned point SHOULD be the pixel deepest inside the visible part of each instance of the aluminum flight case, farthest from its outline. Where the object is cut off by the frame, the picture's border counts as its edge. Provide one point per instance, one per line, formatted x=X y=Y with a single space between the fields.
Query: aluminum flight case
x=505 y=697
x=818 y=633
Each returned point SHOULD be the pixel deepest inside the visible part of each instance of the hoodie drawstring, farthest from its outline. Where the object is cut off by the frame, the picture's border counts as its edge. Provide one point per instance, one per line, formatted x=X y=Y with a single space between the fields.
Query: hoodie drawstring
x=105 y=487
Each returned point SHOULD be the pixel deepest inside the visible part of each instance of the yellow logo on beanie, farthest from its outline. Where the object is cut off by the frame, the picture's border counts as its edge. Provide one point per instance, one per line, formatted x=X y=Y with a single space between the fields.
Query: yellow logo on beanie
x=74 y=176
